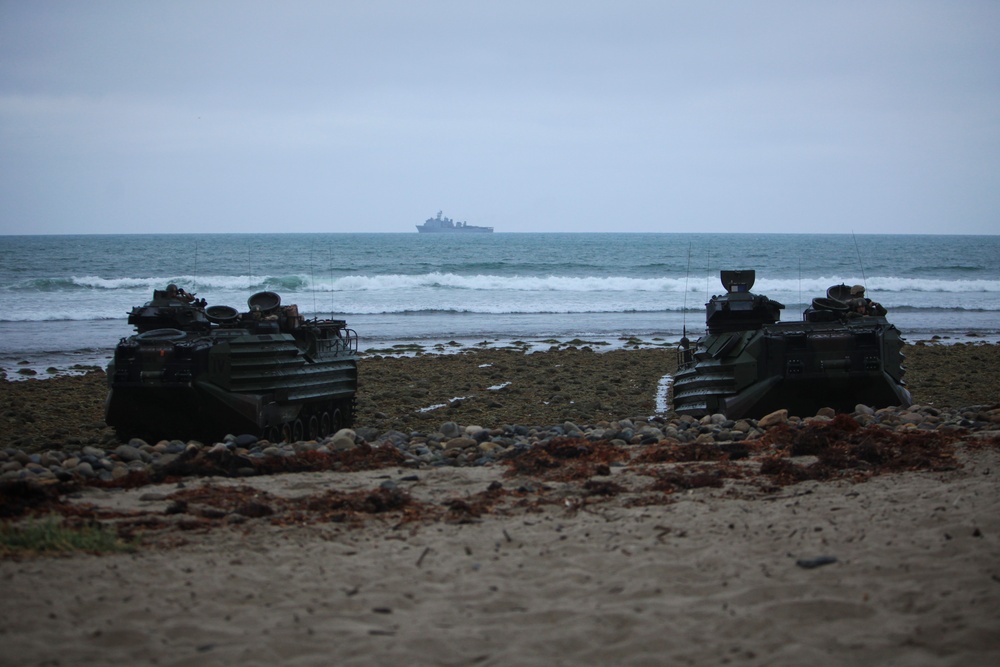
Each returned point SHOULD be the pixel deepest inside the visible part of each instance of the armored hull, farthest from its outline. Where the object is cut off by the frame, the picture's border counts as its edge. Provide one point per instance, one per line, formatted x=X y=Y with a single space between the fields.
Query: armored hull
x=192 y=372
x=749 y=364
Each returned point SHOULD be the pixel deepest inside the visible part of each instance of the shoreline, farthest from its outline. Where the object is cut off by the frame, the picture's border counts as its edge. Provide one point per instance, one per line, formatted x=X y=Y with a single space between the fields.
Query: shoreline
x=46 y=365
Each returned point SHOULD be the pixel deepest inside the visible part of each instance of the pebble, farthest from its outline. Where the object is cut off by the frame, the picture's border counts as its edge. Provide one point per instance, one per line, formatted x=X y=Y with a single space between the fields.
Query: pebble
x=773 y=419
x=342 y=440
x=453 y=444
x=128 y=453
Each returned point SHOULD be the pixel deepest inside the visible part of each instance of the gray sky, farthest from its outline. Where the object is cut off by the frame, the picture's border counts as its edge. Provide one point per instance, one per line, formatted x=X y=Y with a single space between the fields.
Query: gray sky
x=620 y=115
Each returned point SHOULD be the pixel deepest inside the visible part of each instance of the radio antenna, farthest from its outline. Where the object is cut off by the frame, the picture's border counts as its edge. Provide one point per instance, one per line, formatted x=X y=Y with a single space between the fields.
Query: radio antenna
x=861 y=265
x=312 y=279
x=684 y=310
x=685 y=344
x=800 y=280
x=708 y=275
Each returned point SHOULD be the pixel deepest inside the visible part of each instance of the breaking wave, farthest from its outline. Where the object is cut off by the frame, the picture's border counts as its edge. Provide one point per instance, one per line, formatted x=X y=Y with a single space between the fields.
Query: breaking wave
x=296 y=283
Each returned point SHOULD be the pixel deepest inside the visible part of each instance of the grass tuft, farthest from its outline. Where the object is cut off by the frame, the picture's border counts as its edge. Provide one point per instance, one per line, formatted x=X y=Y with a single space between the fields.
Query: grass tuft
x=51 y=536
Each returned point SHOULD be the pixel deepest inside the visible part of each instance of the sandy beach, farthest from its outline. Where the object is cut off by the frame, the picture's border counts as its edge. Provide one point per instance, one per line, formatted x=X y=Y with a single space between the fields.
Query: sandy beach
x=706 y=577
x=578 y=553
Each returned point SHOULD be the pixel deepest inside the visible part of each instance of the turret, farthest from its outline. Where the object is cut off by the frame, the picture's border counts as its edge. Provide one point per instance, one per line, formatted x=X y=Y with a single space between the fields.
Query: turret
x=739 y=309
x=170 y=309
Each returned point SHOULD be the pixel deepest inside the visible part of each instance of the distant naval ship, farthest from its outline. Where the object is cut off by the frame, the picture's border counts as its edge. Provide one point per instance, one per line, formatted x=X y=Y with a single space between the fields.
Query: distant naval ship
x=441 y=225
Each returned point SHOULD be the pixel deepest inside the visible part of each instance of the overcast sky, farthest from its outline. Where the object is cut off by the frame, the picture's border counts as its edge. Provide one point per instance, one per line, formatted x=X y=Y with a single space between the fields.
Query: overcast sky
x=571 y=115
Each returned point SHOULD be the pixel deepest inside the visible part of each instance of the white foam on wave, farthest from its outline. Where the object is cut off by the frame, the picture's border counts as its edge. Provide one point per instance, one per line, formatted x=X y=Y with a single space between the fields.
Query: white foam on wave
x=437 y=281
x=444 y=295
x=505 y=283
x=819 y=285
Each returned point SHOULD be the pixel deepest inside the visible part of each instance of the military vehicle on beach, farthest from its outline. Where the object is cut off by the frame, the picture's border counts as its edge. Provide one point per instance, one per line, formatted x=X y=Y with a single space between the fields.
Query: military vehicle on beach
x=843 y=352
x=193 y=371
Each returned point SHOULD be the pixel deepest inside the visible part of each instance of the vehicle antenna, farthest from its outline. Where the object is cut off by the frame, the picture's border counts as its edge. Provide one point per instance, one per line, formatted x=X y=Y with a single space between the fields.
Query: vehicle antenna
x=312 y=279
x=800 y=280
x=249 y=270
x=687 y=275
x=864 y=280
x=708 y=275
x=685 y=345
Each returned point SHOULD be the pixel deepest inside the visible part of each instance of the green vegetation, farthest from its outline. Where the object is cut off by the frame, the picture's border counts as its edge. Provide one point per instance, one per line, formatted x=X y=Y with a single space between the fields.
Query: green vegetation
x=580 y=343
x=51 y=536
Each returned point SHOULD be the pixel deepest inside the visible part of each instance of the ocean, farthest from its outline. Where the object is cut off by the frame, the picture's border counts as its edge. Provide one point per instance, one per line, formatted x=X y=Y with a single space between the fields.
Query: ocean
x=64 y=299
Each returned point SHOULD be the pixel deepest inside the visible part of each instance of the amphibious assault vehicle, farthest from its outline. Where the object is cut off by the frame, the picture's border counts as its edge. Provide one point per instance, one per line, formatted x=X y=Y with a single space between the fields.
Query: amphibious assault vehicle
x=197 y=372
x=749 y=364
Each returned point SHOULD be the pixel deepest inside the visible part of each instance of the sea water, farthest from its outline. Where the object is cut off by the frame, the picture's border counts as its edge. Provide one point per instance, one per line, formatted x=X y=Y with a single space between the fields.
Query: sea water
x=64 y=300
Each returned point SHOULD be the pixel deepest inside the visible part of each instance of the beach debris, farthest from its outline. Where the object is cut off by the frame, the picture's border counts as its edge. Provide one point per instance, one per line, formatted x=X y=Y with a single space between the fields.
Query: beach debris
x=818 y=561
x=566 y=459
